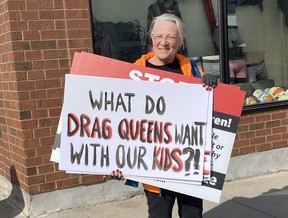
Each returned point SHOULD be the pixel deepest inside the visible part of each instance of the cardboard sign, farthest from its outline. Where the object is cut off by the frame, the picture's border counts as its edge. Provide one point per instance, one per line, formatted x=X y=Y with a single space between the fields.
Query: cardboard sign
x=227 y=108
x=142 y=128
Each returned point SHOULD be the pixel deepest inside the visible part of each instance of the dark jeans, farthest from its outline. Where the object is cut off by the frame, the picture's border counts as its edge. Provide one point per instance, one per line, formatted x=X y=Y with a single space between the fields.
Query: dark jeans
x=161 y=206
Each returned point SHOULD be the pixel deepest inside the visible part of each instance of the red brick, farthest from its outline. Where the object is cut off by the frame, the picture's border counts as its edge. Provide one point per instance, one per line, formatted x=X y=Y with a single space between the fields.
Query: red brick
x=280 y=129
x=67 y=183
x=264 y=147
x=256 y=126
x=284 y=121
x=259 y=140
x=55 y=112
x=32 y=180
x=49 y=168
x=84 y=43
x=55 y=93
x=76 y=4
x=31 y=35
x=62 y=44
x=53 y=34
x=39 y=94
x=16 y=5
x=55 y=54
x=246 y=120
x=15 y=36
x=38 y=5
x=26 y=85
x=45 y=64
x=39 y=113
x=263 y=132
x=51 y=14
x=241 y=143
x=78 y=34
x=89 y=179
x=41 y=25
x=247 y=150
x=42 y=132
x=279 y=115
x=58 y=4
x=280 y=144
x=246 y=135
x=14 y=15
x=32 y=171
x=30 y=153
x=16 y=56
x=18 y=25
x=47 y=187
x=263 y=117
x=18 y=150
x=235 y=152
x=79 y=25
x=56 y=176
x=64 y=63
x=34 y=161
x=48 y=84
x=31 y=143
x=273 y=123
x=77 y=14
x=33 y=189
x=16 y=158
x=284 y=135
x=60 y=25
x=34 y=55
x=27 y=105
x=47 y=141
x=46 y=103
x=28 y=15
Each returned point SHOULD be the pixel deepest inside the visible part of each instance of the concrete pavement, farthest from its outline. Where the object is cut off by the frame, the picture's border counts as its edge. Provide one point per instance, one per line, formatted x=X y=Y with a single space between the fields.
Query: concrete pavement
x=262 y=196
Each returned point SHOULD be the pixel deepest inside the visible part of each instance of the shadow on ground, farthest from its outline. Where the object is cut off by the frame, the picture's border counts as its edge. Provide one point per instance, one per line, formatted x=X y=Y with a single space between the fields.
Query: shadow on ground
x=269 y=204
x=14 y=203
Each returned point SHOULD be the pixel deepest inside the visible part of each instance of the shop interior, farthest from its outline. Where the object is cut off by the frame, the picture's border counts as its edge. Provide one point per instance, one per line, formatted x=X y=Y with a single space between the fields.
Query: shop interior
x=257 y=39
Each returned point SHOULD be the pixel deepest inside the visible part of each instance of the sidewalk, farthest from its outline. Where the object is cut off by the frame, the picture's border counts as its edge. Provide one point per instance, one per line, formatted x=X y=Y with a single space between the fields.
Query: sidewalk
x=262 y=196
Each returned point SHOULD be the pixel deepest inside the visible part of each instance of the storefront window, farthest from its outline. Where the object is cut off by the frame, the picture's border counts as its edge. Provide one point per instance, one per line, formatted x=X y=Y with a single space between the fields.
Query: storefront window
x=256 y=44
x=120 y=27
x=258 y=57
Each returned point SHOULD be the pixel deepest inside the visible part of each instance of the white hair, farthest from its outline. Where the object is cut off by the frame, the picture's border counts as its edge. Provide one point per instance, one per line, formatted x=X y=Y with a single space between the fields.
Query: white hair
x=170 y=17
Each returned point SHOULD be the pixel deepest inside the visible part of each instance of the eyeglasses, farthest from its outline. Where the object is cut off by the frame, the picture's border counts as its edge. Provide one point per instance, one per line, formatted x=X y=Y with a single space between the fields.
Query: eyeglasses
x=168 y=38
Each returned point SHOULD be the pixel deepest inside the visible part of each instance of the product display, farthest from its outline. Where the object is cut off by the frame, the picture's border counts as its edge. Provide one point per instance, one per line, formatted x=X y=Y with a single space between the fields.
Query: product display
x=267 y=95
x=256 y=40
x=211 y=65
x=251 y=100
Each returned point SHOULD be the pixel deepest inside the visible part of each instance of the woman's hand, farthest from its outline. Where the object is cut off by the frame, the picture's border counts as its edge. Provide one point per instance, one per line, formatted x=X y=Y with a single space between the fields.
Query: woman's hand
x=116 y=174
x=209 y=81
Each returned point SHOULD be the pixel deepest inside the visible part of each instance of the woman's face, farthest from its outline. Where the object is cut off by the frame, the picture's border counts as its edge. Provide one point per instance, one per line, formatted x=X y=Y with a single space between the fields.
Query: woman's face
x=165 y=40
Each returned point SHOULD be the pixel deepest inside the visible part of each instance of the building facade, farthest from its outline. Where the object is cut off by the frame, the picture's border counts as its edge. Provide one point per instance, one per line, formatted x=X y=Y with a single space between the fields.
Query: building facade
x=38 y=41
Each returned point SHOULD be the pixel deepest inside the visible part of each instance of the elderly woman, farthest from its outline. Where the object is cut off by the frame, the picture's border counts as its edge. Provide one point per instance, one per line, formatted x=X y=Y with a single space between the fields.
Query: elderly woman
x=167 y=35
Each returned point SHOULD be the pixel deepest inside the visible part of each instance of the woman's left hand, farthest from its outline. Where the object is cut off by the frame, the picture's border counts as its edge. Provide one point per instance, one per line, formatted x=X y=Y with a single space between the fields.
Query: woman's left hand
x=209 y=81
x=116 y=174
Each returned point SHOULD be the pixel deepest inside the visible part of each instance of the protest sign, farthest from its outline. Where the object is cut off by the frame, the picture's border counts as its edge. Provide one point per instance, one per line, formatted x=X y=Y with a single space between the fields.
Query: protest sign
x=227 y=108
x=141 y=128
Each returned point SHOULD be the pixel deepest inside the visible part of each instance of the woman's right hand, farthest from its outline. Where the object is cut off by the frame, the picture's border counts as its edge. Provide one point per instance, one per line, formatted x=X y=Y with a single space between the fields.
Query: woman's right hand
x=116 y=174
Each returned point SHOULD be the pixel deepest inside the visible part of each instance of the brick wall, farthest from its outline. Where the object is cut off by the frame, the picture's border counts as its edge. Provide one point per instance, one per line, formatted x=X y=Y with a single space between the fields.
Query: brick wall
x=37 y=43
x=262 y=130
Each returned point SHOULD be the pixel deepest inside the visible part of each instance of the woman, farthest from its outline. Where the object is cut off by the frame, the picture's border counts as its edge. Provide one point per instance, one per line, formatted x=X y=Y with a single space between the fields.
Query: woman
x=167 y=35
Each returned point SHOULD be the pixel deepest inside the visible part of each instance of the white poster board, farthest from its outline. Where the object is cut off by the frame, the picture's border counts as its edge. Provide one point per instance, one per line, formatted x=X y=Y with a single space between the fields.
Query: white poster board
x=142 y=128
